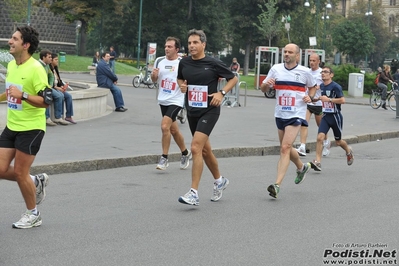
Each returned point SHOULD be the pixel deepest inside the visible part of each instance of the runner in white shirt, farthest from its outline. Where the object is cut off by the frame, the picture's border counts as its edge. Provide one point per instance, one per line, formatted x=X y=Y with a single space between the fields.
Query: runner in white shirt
x=171 y=101
x=314 y=108
x=290 y=81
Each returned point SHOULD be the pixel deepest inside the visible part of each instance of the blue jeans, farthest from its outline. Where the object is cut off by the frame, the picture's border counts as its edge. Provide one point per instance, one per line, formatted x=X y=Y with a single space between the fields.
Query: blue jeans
x=68 y=105
x=112 y=65
x=58 y=99
x=117 y=94
x=384 y=90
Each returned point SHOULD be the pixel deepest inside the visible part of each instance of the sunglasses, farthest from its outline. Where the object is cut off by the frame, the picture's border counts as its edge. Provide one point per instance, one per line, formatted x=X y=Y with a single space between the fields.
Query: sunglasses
x=325 y=72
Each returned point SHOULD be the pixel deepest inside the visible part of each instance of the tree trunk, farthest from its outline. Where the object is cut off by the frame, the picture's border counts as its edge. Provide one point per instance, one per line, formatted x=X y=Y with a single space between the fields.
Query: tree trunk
x=247 y=54
x=82 y=39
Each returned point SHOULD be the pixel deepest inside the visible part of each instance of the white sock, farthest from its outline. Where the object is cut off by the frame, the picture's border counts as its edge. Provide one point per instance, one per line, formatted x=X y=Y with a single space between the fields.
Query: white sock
x=34 y=211
x=34 y=179
x=195 y=191
x=219 y=180
x=303 y=145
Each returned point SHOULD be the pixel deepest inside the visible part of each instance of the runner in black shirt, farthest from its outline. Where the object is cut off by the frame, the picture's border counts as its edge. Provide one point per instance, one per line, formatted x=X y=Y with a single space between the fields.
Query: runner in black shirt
x=198 y=77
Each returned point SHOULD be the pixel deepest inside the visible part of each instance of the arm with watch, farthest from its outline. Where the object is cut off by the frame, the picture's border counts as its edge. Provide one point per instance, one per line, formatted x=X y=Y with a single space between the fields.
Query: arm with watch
x=217 y=97
x=42 y=100
x=325 y=98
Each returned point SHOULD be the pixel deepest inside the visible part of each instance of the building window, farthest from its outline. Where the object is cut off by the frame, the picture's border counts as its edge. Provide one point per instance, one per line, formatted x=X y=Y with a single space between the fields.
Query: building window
x=392 y=2
x=391 y=23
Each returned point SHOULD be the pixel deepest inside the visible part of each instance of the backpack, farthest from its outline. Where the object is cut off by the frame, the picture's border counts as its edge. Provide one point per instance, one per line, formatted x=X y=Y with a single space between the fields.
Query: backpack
x=377 y=79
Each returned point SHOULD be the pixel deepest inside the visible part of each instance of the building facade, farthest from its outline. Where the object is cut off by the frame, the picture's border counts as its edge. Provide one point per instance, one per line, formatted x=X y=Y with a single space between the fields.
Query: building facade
x=55 y=33
x=389 y=7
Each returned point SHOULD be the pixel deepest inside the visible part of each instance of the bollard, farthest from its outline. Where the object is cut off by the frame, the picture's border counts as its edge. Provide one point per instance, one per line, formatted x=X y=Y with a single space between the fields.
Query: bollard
x=396 y=103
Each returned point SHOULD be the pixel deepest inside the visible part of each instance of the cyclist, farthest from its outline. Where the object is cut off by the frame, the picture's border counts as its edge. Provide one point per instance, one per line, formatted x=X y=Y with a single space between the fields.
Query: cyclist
x=385 y=77
x=396 y=78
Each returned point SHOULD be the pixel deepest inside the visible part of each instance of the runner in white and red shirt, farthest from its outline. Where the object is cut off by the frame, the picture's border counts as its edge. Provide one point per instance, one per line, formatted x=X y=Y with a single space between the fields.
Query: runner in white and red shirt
x=290 y=81
x=171 y=100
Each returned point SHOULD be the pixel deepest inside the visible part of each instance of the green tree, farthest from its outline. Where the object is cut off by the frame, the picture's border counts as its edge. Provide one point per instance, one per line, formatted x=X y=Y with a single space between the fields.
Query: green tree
x=269 y=25
x=84 y=11
x=17 y=9
x=376 y=24
x=353 y=38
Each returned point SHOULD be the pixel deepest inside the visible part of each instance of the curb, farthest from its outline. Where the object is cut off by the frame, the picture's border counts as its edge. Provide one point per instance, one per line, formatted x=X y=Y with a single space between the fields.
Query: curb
x=102 y=164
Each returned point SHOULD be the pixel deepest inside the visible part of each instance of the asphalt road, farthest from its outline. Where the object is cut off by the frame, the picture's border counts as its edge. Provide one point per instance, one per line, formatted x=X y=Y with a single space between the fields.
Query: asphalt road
x=131 y=216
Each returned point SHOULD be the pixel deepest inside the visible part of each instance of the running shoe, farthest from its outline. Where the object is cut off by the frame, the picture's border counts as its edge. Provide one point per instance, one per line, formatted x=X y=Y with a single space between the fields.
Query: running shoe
x=301 y=175
x=28 y=220
x=315 y=165
x=301 y=151
x=189 y=198
x=326 y=147
x=273 y=190
x=163 y=163
x=41 y=187
x=350 y=157
x=185 y=160
x=218 y=189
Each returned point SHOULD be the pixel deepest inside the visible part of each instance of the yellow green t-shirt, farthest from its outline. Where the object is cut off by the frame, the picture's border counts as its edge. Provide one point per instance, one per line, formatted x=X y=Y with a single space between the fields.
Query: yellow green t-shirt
x=29 y=77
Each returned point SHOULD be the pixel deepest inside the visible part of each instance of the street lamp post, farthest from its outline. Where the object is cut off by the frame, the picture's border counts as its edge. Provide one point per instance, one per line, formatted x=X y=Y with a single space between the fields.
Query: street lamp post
x=29 y=8
x=368 y=14
x=287 y=20
x=325 y=17
x=317 y=2
x=139 y=34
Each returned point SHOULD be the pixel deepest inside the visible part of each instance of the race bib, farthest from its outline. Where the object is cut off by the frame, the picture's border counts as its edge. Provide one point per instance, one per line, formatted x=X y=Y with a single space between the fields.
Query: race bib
x=13 y=103
x=197 y=96
x=286 y=103
x=328 y=107
x=168 y=85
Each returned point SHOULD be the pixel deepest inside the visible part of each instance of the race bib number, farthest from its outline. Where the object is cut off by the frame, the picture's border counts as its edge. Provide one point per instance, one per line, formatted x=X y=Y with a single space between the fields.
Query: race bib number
x=13 y=103
x=168 y=85
x=328 y=107
x=198 y=96
x=286 y=103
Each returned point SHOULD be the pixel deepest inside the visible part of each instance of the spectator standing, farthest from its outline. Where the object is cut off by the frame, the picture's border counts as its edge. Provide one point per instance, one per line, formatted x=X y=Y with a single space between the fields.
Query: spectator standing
x=198 y=77
x=20 y=141
x=171 y=101
x=112 y=57
x=235 y=66
x=107 y=79
x=62 y=87
x=96 y=59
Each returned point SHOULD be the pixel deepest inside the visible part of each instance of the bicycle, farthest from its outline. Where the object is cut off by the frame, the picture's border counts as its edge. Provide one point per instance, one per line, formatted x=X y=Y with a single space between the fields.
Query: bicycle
x=375 y=98
x=141 y=79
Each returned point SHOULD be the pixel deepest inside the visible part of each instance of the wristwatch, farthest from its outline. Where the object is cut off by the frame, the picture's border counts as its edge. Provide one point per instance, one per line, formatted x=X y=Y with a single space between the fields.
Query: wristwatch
x=25 y=95
x=223 y=92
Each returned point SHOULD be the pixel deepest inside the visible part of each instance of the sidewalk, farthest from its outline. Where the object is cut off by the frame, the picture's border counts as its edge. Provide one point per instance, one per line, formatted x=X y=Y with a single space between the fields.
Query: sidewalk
x=134 y=137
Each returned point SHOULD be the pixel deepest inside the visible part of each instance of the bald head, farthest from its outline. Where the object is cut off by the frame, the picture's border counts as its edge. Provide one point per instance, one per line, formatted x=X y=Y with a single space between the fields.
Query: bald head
x=291 y=55
x=314 y=61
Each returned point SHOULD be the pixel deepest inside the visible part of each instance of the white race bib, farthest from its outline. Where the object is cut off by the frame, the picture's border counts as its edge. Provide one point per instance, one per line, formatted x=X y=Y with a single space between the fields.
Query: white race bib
x=286 y=103
x=197 y=96
x=328 y=107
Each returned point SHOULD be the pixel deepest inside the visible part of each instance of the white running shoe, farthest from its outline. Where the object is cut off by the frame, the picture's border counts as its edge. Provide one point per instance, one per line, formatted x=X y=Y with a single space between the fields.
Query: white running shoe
x=326 y=147
x=28 y=220
x=163 y=163
x=301 y=151
x=41 y=187
x=189 y=198
x=218 y=189
x=185 y=160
